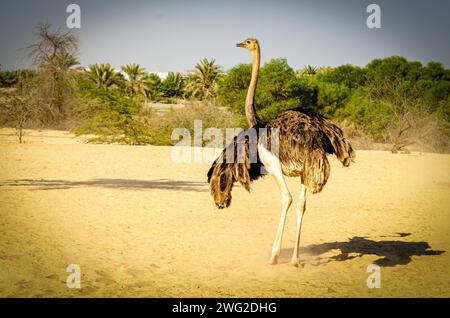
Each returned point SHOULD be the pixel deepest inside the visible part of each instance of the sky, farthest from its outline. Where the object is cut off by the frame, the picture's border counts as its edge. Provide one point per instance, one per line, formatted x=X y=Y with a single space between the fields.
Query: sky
x=173 y=35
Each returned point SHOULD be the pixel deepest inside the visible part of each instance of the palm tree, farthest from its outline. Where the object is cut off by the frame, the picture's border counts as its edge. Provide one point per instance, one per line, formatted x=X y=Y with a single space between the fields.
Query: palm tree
x=63 y=70
x=151 y=84
x=309 y=70
x=192 y=87
x=135 y=75
x=205 y=77
x=66 y=61
x=103 y=75
x=173 y=85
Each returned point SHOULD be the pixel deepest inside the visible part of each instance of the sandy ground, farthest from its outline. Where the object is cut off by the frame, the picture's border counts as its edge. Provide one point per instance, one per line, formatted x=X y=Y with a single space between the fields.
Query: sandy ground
x=140 y=225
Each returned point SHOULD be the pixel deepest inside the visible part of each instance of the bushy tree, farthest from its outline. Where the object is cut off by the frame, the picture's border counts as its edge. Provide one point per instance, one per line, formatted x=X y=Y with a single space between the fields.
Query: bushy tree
x=278 y=89
x=54 y=54
x=20 y=106
x=331 y=98
x=348 y=75
x=233 y=87
x=391 y=100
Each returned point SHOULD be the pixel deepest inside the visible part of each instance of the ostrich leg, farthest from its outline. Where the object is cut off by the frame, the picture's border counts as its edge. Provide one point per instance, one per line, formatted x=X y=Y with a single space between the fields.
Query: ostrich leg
x=301 y=206
x=272 y=165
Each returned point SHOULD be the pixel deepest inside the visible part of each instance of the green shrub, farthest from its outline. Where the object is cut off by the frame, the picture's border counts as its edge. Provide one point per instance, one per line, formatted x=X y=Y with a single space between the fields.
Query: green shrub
x=162 y=126
x=112 y=117
x=371 y=117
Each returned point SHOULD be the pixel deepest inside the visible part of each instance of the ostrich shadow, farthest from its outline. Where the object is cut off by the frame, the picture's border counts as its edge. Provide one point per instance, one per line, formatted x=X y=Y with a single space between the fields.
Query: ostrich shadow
x=391 y=252
x=127 y=184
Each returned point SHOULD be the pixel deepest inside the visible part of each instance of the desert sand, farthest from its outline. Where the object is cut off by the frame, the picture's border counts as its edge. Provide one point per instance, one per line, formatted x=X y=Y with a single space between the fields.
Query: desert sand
x=140 y=225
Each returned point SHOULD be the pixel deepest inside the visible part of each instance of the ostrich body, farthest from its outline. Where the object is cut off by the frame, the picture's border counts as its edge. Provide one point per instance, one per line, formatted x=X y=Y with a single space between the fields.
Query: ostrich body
x=304 y=141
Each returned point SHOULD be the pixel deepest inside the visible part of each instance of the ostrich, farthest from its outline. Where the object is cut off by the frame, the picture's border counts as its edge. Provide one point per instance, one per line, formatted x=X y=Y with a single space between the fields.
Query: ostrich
x=304 y=140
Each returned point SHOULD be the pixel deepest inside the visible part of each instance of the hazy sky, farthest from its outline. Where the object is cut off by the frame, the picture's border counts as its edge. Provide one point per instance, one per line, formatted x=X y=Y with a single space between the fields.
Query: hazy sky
x=171 y=35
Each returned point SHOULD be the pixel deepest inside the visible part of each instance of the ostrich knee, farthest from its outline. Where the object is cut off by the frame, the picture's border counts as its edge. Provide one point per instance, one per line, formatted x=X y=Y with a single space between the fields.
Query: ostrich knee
x=286 y=200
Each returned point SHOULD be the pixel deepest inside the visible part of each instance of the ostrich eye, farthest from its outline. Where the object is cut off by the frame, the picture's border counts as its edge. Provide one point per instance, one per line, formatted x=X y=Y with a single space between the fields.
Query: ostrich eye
x=248 y=42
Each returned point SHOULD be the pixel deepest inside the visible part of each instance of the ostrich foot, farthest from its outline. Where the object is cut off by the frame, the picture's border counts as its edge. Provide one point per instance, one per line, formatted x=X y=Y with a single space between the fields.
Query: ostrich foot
x=273 y=260
x=295 y=261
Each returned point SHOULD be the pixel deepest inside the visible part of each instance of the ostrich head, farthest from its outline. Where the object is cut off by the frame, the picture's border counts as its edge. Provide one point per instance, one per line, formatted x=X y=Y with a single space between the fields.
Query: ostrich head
x=251 y=45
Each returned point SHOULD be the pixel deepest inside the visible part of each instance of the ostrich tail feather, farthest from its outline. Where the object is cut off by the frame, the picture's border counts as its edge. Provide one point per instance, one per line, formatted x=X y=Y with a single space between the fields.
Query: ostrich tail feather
x=341 y=147
x=234 y=165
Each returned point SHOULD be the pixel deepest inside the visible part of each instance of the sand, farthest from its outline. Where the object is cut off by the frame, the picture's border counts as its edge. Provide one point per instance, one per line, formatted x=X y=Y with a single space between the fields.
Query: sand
x=139 y=225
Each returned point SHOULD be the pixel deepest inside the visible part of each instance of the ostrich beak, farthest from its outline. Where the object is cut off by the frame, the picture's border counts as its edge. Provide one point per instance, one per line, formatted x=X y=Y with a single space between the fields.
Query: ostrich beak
x=240 y=45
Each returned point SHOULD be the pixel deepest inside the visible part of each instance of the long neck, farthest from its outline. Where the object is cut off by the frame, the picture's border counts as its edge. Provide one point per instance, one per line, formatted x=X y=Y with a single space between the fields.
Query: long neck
x=250 y=112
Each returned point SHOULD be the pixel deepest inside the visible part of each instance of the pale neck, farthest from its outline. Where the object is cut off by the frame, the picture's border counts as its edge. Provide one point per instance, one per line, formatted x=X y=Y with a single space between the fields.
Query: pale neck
x=250 y=112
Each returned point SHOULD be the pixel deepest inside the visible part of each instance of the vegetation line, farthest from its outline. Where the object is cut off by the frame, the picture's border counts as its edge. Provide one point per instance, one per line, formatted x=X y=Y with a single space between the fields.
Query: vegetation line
x=391 y=101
